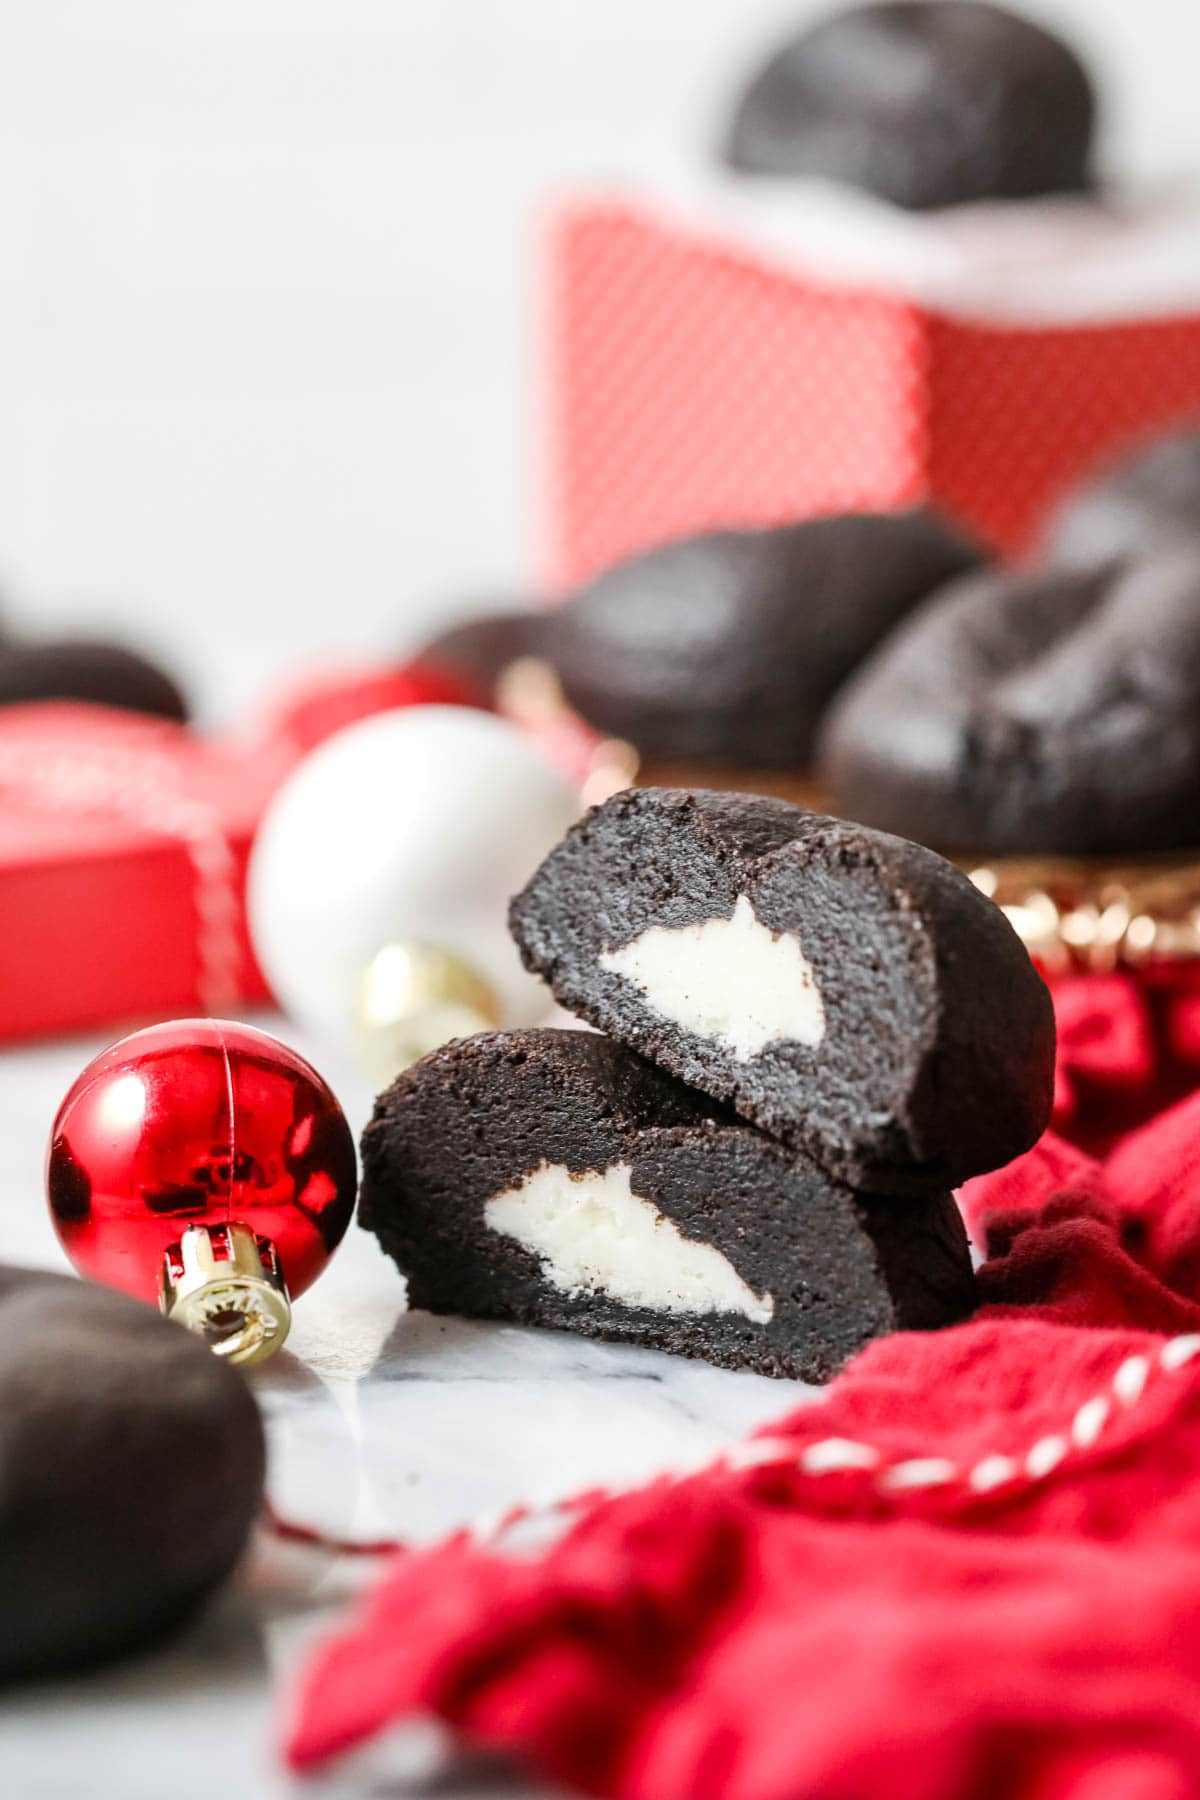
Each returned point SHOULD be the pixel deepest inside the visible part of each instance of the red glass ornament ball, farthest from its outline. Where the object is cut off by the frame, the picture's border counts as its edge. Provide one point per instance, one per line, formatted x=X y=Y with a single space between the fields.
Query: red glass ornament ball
x=199 y=1121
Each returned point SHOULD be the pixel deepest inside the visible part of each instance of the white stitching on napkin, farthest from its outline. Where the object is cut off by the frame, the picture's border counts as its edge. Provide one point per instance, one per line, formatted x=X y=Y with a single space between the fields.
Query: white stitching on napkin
x=833 y=1455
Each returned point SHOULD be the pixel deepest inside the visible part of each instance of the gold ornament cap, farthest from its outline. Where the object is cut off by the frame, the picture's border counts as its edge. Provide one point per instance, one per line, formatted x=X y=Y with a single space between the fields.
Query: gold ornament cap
x=415 y=997
x=225 y=1284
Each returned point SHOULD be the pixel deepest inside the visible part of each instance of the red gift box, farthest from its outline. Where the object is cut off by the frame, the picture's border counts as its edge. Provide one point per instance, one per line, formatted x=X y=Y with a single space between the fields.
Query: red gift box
x=123 y=850
x=124 y=841
x=699 y=376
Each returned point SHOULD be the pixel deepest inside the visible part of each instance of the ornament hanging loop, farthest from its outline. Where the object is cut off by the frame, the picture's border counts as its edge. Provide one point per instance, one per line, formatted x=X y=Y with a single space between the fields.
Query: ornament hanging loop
x=225 y=1284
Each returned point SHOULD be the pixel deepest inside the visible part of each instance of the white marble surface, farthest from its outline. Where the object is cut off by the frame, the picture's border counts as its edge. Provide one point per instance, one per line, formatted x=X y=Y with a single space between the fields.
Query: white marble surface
x=380 y=1423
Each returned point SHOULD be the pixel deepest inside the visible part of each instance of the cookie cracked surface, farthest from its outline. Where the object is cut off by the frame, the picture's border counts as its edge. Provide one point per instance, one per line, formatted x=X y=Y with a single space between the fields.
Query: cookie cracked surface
x=849 y=993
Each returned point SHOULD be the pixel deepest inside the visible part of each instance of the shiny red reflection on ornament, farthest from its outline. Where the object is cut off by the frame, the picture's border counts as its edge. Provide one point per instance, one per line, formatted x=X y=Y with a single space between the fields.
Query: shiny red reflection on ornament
x=198 y=1122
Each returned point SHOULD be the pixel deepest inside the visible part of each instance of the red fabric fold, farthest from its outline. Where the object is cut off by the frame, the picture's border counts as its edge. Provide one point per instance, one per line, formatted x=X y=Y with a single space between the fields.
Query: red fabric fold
x=970 y=1571
x=1128 y=1046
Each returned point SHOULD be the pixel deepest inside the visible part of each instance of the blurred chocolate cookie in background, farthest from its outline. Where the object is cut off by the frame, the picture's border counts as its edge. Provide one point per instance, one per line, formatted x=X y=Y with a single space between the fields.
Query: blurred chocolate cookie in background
x=1140 y=502
x=1028 y=713
x=479 y=649
x=133 y=1464
x=926 y=103
x=82 y=669
x=728 y=647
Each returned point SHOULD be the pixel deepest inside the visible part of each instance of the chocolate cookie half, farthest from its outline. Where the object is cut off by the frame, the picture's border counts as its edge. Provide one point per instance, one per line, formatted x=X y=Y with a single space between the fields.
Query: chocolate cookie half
x=553 y=1178
x=926 y=103
x=729 y=647
x=1055 y=712
x=133 y=1464
x=850 y=993
x=1139 y=505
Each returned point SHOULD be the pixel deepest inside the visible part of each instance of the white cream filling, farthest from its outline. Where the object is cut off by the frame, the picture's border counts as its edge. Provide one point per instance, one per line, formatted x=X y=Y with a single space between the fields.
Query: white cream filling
x=730 y=980
x=594 y=1235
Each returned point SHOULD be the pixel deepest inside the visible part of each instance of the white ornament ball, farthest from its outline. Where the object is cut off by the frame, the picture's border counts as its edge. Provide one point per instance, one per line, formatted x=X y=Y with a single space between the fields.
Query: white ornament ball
x=415 y=826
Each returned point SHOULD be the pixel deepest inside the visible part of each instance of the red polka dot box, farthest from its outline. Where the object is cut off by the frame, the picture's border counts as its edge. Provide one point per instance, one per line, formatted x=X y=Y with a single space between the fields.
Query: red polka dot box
x=744 y=352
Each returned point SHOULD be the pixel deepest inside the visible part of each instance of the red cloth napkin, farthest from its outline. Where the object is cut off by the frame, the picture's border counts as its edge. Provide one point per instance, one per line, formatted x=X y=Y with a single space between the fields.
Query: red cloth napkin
x=970 y=1571
x=1128 y=1046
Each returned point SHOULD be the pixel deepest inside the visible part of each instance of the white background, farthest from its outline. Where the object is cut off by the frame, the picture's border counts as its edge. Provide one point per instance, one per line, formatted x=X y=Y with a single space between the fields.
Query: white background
x=265 y=320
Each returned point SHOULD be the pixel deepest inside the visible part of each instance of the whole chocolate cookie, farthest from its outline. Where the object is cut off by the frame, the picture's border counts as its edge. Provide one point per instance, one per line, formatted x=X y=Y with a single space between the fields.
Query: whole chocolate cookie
x=554 y=1178
x=1027 y=713
x=851 y=994
x=926 y=103
x=133 y=1464
x=1143 y=503
x=77 y=669
x=729 y=647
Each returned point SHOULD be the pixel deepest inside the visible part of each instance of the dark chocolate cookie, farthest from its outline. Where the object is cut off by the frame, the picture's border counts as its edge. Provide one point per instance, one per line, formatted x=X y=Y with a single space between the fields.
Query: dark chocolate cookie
x=729 y=647
x=1049 y=712
x=851 y=994
x=554 y=1178
x=926 y=103
x=1146 y=502
x=76 y=669
x=479 y=650
x=132 y=1463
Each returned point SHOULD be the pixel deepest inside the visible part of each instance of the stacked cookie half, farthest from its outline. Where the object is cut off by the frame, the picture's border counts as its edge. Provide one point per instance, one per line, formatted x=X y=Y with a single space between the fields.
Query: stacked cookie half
x=811 y=1033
